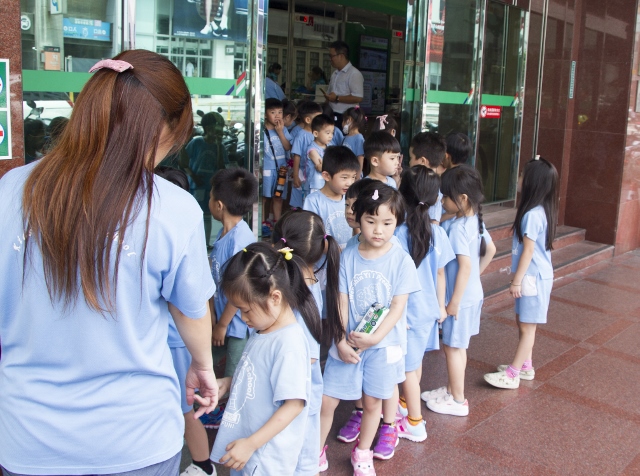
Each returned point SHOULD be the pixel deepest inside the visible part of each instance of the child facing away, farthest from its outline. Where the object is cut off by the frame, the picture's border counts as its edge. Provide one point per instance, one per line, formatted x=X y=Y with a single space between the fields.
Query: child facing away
x=385 y=123
x=458 y=149
x=381 y=157
x=339 y=170
x=277 y=142
x=429 y=149
x=362 y=364
x=304 y=232
x=268 y=406
x=307 y=111
x=353 y=122
x=534 y=230
x=289 y=116
x=349 y=213
x=322 y=128
x=430 y=250
x=194 y=433
x=472 y=245
x=233 y=193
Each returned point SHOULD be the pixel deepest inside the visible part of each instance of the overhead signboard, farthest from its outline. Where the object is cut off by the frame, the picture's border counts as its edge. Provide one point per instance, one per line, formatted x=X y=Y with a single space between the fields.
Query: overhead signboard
x=86 y=29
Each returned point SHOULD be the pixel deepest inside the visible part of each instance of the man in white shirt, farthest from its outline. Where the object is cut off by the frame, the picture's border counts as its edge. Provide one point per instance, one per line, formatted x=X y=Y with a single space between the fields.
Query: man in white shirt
x=346 y=85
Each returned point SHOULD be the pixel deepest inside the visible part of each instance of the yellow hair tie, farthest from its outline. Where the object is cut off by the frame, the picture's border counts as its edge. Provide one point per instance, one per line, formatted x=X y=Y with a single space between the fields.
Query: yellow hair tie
x=244 y=249
x=287 y=252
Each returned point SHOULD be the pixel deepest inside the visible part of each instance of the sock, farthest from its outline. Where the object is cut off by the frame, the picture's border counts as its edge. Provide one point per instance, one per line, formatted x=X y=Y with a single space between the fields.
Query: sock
x=512 y=372
x=361 y=410
x=388 y=424
x=403 y=402
x=205 y=466
x=414 y=421
x=527 y=365
x=460 y=403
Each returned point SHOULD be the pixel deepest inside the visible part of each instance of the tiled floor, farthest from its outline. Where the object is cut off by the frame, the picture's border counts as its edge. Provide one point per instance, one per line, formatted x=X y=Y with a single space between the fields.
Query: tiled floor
x=580 y=416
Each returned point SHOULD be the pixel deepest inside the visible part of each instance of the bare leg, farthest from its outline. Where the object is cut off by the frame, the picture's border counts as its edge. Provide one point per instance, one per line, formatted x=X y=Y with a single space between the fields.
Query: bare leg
x=390 y=407
x=456 y=365
x=411 y=391
x=266 y=208
x=329 y=405
x=207 y=10
x=196 y=437
x=277 y=208
x=370 y=421
x=525 y=344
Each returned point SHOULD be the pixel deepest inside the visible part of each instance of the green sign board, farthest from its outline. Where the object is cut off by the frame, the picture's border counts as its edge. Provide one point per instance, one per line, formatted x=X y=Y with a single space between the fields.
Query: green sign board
x=5 y=113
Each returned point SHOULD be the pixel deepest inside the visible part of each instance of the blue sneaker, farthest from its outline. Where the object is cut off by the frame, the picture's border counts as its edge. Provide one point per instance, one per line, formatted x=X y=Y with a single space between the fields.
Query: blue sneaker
x=212 y=420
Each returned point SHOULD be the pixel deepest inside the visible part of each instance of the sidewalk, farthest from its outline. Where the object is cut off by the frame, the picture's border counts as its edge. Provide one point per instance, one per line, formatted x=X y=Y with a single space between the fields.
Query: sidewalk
x=580 y=416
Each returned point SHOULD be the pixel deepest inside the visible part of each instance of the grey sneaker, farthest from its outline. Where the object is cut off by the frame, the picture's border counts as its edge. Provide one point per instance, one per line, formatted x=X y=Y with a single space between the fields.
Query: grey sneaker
x=524 y=374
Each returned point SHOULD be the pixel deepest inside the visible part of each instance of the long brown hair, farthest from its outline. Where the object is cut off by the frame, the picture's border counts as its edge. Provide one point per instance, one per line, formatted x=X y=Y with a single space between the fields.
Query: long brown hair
x=98 y=177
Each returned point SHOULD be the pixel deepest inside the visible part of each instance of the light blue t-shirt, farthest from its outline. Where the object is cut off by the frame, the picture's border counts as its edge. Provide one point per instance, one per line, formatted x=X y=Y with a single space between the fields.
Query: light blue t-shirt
x=274 y=367
x=423 y=307
x=465 y=240
x=273 y=90
x=338 y=137
x=314 y=353
x=300 y=146
x=390 y=182
x=314 y=178
x=224 y=248
x=435 y=211
x=80 y=392
x=332 y=214
x=355 y=143
x=271 y=162
x=379 y=280
x=534 y=227
x=446 y=225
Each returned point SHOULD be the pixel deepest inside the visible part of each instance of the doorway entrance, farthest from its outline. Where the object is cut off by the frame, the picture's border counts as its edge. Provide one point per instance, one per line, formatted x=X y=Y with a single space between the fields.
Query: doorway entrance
x=467 y=75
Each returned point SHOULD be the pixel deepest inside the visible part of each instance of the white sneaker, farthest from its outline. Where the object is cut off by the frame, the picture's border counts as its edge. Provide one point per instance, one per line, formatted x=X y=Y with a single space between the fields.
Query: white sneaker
x=524 y=374
x=193 y=470
x=433 y=394
x=502 y=380
x=207 y=30
x=448 y=406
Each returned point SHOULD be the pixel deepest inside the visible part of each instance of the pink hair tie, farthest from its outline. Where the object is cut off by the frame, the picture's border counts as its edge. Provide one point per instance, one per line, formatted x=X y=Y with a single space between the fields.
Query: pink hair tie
x=324 y=237
x=284 y=240
x=420 y=203
x=383 y=121
x=116 y=65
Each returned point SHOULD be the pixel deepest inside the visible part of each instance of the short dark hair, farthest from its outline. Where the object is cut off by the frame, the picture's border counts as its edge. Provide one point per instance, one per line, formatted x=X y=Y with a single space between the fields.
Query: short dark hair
x=338 y=158
x=341 y=48
x=458 y=147
x=175 y=176
x=289 y=108
x=380 y=142
x=211 y=119
x=431 y=146
x=272 y=103
x=365 y=203
x=356 y=188
x=236 y=188
x=306 y=108
x=320 y=121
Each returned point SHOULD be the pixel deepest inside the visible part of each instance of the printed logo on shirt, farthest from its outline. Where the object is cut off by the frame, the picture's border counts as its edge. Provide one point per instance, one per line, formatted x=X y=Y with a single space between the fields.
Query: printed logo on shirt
x=367 y=288
x=243 y=389
x=338 y=227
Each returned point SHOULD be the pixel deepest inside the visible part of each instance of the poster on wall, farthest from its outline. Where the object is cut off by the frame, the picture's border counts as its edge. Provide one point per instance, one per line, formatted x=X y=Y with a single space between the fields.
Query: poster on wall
x=5 y=113
x=211 y=19
x=374 y=92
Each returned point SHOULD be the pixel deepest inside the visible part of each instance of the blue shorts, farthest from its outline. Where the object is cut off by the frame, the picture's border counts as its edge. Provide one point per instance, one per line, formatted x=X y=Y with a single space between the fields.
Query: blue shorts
x=376 y=375
x=297 y=197
x=533 y=309
x=181 y=362
x=457 y=333
x=269 y=180
x=308 y=458
x=420 y=340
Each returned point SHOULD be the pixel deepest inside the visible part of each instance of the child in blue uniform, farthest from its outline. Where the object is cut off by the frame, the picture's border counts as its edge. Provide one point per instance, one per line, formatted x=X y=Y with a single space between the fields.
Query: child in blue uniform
x=533 y=232
x=302 y=138
x=267 y=412
x=430 y=249
x=462 y=190
x=304 y=232
x=381 y=157
x=322 y=128
x=375 y=271
x=277 y=142
x=429 y=149
x=353 y=121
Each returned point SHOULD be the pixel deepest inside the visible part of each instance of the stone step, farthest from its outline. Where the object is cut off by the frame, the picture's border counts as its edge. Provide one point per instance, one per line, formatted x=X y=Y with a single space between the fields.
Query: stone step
x=566 y=260
x=498 y=221
x=565 y=236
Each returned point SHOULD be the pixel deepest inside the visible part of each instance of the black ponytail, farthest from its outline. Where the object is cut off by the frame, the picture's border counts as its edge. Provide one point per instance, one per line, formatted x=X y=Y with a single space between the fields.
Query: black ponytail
x=466 y=180
x=335 y=329
x=251 y=275
x=419 y=187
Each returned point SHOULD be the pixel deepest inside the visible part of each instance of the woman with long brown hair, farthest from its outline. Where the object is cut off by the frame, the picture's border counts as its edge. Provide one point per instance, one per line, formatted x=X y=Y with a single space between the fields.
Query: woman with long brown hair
x=95 y=248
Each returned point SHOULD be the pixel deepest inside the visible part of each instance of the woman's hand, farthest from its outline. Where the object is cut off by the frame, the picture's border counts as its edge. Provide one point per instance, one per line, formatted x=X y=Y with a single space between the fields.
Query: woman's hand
x=205 y=381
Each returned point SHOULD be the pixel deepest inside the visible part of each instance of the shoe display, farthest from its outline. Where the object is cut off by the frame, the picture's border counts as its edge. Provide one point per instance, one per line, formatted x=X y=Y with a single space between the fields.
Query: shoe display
x=502 y=380
x=362 y=462
x=323 y=464
x=411 y=432
x=448 y=406
x=351 y=430
x=433 y=394
x=524 y=374
x=208 y=29
x=193 y=470
x=212 y=420
x=387 y=441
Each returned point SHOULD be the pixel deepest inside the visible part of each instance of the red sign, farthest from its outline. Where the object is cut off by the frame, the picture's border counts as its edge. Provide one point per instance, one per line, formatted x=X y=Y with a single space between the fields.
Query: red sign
x=490 y=112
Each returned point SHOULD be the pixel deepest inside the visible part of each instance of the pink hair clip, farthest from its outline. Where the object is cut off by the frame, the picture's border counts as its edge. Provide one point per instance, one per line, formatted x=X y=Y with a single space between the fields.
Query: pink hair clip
x=383 y=121
x=284 y=240
x=375 y=195
x=116 y=65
